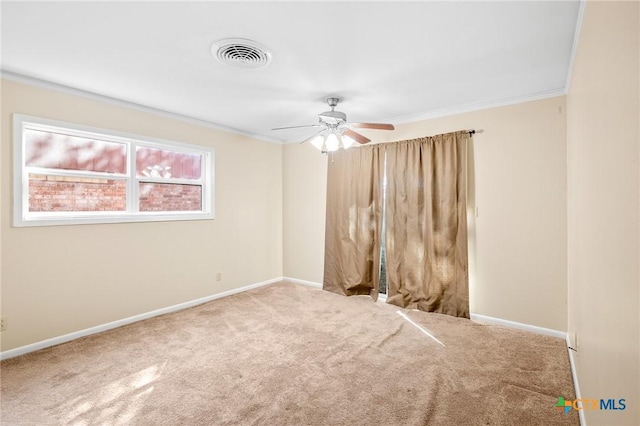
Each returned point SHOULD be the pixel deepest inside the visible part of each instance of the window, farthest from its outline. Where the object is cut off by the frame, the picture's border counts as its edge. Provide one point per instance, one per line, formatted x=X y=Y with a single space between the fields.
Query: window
x=68 y=174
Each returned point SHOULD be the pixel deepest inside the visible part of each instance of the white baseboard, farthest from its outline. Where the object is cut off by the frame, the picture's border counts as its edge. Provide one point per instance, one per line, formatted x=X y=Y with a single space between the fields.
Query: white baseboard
x=519 y=326
x=119 y=323
x=540 y=330
x=475 y=317
x=574 y=375
x=545 y=331
x=108 y=326
x=303 y=282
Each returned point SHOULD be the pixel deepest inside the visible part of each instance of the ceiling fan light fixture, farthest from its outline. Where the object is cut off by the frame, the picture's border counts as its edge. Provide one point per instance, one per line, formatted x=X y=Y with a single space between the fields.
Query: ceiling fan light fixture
x=337 y=133
x=347 y=141
x=318 y=142
x=327 y=142
x=332 y=144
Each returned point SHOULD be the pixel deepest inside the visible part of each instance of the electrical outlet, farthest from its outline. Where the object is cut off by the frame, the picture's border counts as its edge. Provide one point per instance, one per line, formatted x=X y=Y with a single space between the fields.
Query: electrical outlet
x=3 y=324
x=218 y=276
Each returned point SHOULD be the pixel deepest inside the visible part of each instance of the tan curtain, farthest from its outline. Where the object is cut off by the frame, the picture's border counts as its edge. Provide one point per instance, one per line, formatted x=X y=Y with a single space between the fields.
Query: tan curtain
x=426 y=224
x=352 y=239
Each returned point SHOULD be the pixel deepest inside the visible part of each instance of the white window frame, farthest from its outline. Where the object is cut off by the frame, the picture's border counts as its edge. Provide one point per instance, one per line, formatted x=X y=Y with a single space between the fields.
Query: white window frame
x=23 y=217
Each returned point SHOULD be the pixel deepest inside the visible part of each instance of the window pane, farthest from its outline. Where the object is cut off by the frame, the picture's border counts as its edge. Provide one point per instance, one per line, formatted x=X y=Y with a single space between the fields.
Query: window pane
x=58 y=151
x=160 y=163
x=71 y=194
x=164 y=197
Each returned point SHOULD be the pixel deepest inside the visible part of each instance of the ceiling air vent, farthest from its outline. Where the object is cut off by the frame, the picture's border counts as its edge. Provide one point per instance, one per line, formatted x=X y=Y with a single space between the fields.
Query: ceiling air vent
x=241 y=53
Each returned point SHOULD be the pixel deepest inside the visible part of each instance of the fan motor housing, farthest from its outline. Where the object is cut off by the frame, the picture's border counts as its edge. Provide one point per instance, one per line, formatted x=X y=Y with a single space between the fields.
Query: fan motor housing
x=333 y=117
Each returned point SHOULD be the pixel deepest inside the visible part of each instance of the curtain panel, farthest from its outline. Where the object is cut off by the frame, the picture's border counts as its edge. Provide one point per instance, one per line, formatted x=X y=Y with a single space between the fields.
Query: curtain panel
x=354 y=209
x=422 y=184
x=426 y=224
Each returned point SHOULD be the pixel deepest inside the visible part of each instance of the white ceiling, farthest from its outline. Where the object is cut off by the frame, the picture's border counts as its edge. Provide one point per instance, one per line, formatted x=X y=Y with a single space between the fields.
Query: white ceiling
x=390 y=61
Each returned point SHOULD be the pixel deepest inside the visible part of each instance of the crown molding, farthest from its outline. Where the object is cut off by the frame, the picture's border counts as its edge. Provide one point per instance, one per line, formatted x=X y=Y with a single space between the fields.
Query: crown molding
x=574 y=48
x=478 y=106
x=33 y=81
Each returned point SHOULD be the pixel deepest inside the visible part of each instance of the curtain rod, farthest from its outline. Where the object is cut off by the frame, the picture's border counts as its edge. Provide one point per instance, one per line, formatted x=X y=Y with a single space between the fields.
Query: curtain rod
x=471 y=132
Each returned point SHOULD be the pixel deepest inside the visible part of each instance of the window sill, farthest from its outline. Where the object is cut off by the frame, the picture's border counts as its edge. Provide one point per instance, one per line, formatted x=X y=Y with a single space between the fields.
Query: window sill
x=92 y=219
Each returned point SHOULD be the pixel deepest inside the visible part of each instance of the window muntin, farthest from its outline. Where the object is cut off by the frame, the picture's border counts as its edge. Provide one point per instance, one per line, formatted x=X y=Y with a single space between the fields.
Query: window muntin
x=70 y=174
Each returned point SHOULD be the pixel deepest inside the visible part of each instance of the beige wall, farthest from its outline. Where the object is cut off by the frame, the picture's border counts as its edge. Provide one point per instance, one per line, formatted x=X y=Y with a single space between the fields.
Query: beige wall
x=304 y=194
x=518 y=241
x=60 y=279
x=604 y=255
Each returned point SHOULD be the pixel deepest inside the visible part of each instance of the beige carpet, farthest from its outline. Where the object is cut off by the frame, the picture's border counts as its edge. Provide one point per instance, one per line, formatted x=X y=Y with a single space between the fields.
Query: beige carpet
x=291 y=355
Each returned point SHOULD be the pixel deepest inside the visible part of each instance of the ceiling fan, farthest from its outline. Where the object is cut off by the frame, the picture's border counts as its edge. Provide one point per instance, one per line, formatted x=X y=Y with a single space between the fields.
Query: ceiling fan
x=335 y=132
